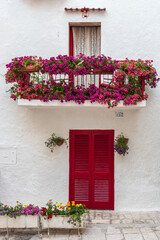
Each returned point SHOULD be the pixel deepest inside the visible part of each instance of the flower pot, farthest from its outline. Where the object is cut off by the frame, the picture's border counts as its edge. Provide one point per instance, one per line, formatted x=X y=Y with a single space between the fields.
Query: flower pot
x=60 y=143
x=3 y=221
x=32 y=221
x=59 y=222
x=127 y=139
x=37 y=97
x=30 y=68
x=18 y=222
x=100 y=71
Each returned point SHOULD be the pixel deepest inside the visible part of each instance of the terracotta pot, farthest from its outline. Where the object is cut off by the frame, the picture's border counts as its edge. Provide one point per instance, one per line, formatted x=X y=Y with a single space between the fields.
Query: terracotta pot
x=108 y=86
x=30 y=69
x=100 y=71
x=127 y=139
x=60 y=143
x=38 y=97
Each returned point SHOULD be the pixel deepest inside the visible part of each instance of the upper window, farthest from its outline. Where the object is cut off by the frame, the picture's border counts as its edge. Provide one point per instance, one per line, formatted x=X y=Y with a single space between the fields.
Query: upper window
x=86 y=40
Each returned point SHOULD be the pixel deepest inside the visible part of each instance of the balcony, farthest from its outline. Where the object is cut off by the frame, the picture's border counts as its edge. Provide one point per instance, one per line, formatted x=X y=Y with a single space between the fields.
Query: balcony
x=104 y=83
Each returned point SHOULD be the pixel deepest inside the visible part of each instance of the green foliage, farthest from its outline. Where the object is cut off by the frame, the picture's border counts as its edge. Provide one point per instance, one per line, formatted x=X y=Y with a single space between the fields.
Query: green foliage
x=121 y=144
x=53 y=141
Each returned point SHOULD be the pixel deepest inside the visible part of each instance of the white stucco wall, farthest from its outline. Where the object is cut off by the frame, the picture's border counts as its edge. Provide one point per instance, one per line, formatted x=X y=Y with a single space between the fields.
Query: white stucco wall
x=40 y=27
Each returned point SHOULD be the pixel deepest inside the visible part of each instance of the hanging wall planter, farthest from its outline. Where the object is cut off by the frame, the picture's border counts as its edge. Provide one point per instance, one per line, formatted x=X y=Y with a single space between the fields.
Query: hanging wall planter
x=54 y=141
x=121 y=144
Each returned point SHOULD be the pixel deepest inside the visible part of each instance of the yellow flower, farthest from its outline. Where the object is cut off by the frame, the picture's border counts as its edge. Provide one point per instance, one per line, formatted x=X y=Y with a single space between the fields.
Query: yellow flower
x=26 y=205
x=58 y=205
x=69 y=208
x=78 y=205
x=73 y=203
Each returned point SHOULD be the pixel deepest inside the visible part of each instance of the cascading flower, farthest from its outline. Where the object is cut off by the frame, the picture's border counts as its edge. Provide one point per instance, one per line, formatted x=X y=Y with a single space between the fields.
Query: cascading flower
x=126 y=83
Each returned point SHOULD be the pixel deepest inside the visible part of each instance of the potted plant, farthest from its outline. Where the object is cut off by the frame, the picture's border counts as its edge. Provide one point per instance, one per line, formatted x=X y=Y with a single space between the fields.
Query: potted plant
x=121 y=145
x=54 y=141
x=19 y=216
x=63 y=216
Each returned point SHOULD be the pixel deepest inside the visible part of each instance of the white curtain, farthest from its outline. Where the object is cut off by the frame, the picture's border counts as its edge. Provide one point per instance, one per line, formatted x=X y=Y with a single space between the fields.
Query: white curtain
x=86 y=40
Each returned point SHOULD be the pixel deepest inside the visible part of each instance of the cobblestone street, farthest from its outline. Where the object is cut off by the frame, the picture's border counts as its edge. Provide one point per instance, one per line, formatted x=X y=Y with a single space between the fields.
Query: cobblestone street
x=101 y=225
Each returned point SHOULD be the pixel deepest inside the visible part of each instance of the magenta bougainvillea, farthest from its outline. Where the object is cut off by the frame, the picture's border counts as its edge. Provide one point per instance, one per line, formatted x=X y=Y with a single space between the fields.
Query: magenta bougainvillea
x=126 y=83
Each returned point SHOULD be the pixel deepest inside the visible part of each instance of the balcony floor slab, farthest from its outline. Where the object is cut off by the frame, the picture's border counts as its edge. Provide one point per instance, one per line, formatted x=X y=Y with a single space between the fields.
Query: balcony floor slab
x=88 y=104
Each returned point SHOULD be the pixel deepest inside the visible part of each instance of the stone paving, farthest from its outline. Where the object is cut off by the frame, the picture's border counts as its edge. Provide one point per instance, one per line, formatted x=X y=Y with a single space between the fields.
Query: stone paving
x=124 y=225
x=102 y=225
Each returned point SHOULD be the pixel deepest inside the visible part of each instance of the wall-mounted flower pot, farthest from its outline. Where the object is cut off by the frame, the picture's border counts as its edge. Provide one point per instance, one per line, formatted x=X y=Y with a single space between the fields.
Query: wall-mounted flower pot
x=127 y=139
x=59 y=222
x=60 y=143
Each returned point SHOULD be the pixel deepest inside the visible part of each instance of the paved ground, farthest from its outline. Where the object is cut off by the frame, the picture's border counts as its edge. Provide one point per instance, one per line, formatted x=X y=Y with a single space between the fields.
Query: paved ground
x=109 y=225
x=103 y=225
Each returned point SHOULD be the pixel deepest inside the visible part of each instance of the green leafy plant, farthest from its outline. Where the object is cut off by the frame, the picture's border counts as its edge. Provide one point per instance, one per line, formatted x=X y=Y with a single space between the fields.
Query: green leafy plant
x=54 y=141
x=121 y=145
x=71 y=210
x=19 y=209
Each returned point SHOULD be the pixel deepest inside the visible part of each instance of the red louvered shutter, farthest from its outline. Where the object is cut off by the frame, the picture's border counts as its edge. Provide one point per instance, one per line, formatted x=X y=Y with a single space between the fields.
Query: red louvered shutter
x=80 y=167
x=92 y=168
x=102 y=169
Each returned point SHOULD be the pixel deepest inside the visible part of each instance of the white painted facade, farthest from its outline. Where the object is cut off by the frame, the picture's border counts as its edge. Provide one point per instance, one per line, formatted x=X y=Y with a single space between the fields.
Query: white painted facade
x=40 y=27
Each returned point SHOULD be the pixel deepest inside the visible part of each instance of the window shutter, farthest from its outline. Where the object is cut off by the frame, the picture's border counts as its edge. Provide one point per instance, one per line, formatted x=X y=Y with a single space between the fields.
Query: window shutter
x=102 y=169
x=80 y=167
x=92 y=168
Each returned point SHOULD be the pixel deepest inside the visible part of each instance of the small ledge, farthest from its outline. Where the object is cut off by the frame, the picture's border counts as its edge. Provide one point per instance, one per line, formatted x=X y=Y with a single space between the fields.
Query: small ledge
x=56 y=104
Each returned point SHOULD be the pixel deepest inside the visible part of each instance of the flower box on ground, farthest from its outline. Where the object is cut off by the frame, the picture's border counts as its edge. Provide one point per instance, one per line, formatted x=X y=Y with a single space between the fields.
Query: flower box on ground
x=57 y=103
x=60 y=222
x=3 y=221
x=19 y=222
x=32 y=221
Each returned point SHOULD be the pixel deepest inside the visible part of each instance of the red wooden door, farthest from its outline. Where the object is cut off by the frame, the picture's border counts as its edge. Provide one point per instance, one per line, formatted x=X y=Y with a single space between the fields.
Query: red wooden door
x=92 y=168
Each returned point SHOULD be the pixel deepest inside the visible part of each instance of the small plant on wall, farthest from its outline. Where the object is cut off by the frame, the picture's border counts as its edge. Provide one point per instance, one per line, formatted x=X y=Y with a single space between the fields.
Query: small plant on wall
x=121 y=145
x=54 y=141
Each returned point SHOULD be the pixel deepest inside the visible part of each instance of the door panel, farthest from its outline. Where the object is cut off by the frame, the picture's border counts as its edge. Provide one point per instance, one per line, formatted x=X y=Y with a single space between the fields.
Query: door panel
x=80 y=166
x=102 y=169
x=92 y=168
